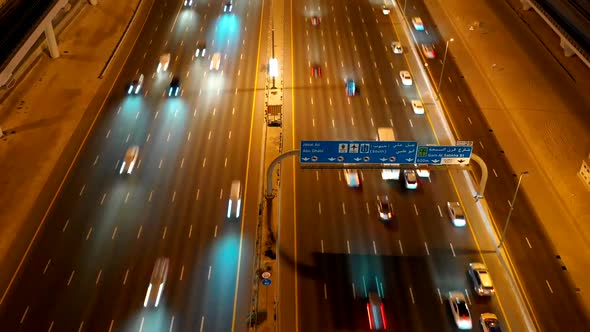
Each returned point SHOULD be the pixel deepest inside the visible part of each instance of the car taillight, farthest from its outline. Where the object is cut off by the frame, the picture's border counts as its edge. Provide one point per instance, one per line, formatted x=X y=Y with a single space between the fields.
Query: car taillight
x=370 y=318
x=383 y=317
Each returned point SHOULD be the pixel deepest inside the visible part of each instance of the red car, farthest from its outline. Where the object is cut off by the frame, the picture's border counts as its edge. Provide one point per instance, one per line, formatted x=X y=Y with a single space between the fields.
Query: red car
x=316 y=71
x=315 y=21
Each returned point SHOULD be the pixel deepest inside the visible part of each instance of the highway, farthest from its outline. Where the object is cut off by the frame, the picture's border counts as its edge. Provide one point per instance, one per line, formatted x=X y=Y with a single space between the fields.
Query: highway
x=90 y=266
x=547 y=287
x=339 y=247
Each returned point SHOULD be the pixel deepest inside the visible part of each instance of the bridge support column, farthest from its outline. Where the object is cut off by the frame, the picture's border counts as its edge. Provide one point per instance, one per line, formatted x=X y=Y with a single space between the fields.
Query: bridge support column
x=525 y=4
x=567 y=49
x=51 y=41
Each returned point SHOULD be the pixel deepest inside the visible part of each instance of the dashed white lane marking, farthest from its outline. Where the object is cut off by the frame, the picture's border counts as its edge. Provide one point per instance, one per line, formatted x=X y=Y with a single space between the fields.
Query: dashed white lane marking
x=171 y=324
x=374 y=247
x=415 y=209
x=173 y=196
x=198 y=191
x=325 y=291
x=426 y=246
x=459 y=98
x=114 y=233
x=439 y=210
x=108 y=134
x=98 y=277
x=126 y=275
x=209 y=274
x=150 y=196
x=401 y=248
x=88 y=234
x=319 y=208
x=348 y=246
x=164 y=233
x=51 y=327
x=22 y=318
x=496 y=174
x=103 y=198
x=353 y=291
x=469 y=119
x=82 y=190
x=452 y=249
x=141 y=324
x=343 y=209
x=527 y=242
x=215 y=231
x=439 y=296
x=65 y=225
x=95 y=161
x=71 y=276
x=47 y=266
x=549 y=286
x=202 y=323
x=139 y=231
x=111 y=325
x=322 y=245
x=204 y=162
x=412 y=296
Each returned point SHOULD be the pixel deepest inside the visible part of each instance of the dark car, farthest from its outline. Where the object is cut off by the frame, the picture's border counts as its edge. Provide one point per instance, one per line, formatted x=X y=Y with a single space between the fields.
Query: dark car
x=227 y=7
x=201 y=49
x=135 y=85
x=316 y=71
x=174 y=89
x=350 y=88
x=315 y=21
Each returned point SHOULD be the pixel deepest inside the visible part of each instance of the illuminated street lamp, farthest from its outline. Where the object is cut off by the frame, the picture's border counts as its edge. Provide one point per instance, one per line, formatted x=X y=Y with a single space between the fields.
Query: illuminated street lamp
x=443 y=64
x=273 y=70
x=511 y=208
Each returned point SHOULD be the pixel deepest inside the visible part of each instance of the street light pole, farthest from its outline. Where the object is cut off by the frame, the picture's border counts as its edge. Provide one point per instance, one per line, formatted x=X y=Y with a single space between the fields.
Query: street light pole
x=511 y=208
x=443 y=64
x=405 y=2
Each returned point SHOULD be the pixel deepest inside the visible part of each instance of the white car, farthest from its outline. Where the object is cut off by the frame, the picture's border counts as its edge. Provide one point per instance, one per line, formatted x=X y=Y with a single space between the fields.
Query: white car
x=353 y=178
x=417 y=106
x=417 y=23
x=164 y=62
x=188 y=3
x=129 y=160
x=489 y=322
x=460 y=310
x=406 y=77
x=235 y=200
x=397 y=47
x=481 y=279
x=201 y=49
x=422 y=172
x=385 y=10
x=456 y=214
x=227 y=7
x=411 y=179
x=215 y=61
x=157 y=283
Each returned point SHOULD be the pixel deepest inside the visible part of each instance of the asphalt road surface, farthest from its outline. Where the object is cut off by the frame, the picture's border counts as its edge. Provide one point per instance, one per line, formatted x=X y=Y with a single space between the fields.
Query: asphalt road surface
x=91 y=264
x=546 y=285
x=340 y=249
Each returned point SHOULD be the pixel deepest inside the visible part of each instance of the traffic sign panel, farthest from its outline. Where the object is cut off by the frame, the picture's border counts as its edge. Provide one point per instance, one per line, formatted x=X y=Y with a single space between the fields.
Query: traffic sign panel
x=444 y=154
x=357 y=152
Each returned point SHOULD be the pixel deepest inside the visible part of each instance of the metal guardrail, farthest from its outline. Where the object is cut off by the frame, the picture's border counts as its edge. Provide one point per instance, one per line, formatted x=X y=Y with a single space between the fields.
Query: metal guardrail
x=560 y=31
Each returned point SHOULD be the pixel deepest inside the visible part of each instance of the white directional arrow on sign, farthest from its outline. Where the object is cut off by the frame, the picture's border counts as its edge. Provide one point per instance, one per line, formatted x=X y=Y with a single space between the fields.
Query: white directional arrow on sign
x=357 y=159
x=409 y=159
x=331 y=159
x=383 y=159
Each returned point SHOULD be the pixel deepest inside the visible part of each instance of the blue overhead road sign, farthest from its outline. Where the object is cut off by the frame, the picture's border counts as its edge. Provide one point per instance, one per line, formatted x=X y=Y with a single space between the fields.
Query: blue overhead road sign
x=357 y=152
x=444 y=155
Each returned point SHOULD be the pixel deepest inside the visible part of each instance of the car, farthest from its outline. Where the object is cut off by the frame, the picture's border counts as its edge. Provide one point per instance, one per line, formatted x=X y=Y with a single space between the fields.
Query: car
x=410 y=179
x=235 y=200
x=350 y=88
x=456 y=214
x=480 y=277
x=201 y=49
x=157 y=283
x=428 y=51
x=422 y=172
x=316 y=71
x=174 y=89
x=489 y=322
x=352 y=178
x=135 y=85
x=417 y=23
x=227 y=7
x=129 y=160
x=406 y=77
x=384 y=208
x=315 y=21
x=376 y=312
x=385 y=10
x=215 y=61
x=460 y=310
x=188 y=3
x=397 y=47
x=417 y=106
x=164 y=62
